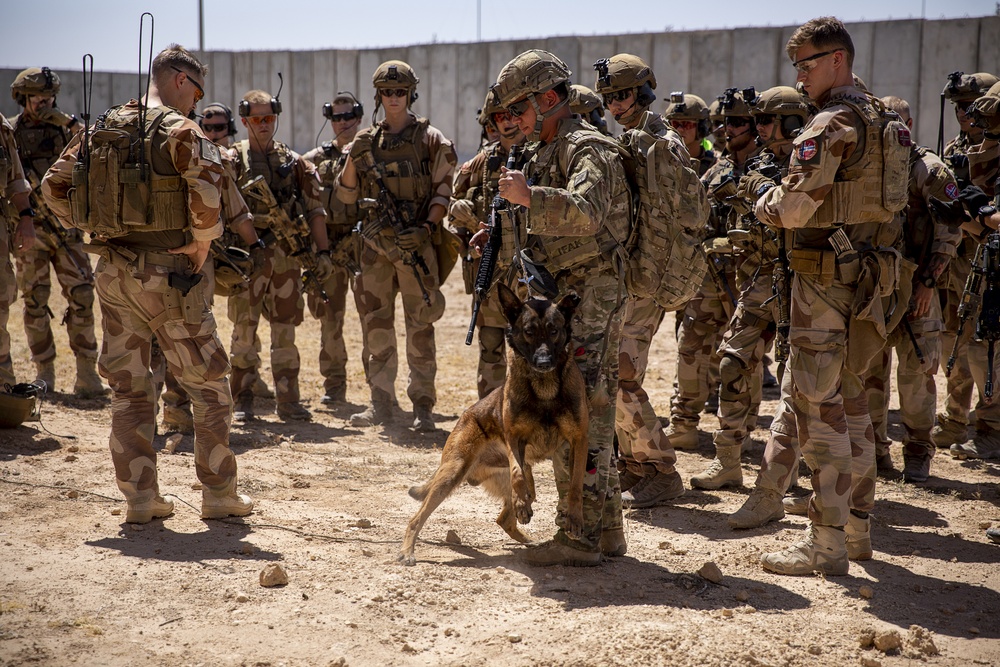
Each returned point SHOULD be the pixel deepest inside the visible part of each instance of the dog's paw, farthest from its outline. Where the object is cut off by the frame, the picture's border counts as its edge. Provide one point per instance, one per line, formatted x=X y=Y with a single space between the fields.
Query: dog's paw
x=574 y=526
x=406 y=559
x=523 y=512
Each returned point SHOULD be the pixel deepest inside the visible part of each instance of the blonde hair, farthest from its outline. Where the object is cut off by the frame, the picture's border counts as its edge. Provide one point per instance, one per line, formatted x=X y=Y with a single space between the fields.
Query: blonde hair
x=824 y=33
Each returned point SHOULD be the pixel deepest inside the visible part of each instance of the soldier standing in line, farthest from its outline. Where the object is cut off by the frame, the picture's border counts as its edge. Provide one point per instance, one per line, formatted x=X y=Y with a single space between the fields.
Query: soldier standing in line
x=646 y=459
x=844 y=184
x=42 y=130
x=688 y=116
x=148 y=278
x=296 y=189
x=15 y=196
x=953 y=424
x=576 y=206
x=929 y=244
x=473 y=191
x=706 y=317
x=345 y=113
x=587 y=104
x=415 y=162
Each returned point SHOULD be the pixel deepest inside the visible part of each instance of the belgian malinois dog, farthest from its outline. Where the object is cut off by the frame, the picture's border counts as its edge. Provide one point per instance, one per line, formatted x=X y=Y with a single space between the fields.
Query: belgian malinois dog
x=542 y=403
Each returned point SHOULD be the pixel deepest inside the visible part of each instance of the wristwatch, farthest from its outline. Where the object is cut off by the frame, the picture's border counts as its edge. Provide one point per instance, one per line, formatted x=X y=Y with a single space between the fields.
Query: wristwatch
x=928 y=281
x=986 y=212
x=26 y=213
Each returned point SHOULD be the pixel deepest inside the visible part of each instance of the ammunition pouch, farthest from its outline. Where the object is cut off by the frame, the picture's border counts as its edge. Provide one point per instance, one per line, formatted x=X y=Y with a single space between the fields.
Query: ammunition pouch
x=825 y=264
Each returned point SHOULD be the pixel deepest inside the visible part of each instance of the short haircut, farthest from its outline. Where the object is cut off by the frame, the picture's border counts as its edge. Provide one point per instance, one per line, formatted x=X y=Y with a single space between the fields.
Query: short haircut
x=258 y=97
x=899 y=105
x=825 y=34
x=176 y=56
x=345 y=98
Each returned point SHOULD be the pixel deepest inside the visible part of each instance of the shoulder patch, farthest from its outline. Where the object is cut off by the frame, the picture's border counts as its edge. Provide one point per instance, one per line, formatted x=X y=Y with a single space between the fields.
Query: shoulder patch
x=581 y=178
x=808 y=150
x=952 y=191
x=210 y=151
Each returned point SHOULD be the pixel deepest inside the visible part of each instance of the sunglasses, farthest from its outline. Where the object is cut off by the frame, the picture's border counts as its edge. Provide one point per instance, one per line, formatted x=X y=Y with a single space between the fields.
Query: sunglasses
x=518 y=109
x=807 y=64
x=737 y=121
x=214 y=127
x=683 y=124
x=763 y=119
x=394 y=92
x=199 y=92
x=616 y=96
x=501 y=116
x=342 y=117
x=258 y=120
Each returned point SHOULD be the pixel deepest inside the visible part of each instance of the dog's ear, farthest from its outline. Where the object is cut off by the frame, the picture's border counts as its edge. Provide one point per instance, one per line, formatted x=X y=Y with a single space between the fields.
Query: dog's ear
x=511 y=305
x=568 y=304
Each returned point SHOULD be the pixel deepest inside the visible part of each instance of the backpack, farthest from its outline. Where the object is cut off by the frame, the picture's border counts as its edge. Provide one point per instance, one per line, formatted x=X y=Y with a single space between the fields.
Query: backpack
x=666 y=261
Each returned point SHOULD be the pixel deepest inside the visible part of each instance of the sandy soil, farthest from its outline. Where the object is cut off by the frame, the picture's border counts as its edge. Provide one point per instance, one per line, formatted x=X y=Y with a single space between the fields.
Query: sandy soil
x=80 y=586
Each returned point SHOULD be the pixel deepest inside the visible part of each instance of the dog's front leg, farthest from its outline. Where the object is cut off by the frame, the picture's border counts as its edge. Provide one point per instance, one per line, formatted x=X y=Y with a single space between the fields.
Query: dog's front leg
x=521 y=481
x=574 y=495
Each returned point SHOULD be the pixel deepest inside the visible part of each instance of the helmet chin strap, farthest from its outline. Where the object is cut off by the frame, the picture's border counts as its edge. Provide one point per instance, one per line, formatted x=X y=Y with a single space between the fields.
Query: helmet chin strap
x=540 y=117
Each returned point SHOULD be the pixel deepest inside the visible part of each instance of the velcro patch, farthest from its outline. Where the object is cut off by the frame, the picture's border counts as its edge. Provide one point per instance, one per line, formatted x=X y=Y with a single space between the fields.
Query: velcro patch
x=808 y=150
x=210 y=151
x=580 y=179
x=951 y=190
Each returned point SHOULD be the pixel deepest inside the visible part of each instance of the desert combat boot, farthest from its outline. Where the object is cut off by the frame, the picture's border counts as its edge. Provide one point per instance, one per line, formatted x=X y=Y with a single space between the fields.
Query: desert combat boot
x=859 y=537
x=948 y=432
x=654 y=489
x=223 y=502
x=762 y=507
x=986 y=445
x=88 y=382
x=824 y=550
x=146 y=510
x=561 y=551
x=724 y=470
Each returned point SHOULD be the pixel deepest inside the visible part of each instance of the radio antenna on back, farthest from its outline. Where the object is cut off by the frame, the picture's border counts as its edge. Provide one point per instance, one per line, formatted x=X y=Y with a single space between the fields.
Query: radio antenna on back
x=88 y=99
x=144 y=98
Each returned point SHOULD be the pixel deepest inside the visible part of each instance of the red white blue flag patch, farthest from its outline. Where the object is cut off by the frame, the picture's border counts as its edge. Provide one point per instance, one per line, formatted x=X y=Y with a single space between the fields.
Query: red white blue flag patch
x=951 y=190
x=808 y=150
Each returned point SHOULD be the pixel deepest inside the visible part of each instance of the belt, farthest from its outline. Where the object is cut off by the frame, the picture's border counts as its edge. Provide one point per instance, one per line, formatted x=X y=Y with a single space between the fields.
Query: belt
x=136 y=259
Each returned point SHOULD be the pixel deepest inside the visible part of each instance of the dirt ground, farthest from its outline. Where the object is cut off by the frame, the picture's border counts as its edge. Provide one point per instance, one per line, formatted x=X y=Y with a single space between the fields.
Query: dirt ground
x=81 y=587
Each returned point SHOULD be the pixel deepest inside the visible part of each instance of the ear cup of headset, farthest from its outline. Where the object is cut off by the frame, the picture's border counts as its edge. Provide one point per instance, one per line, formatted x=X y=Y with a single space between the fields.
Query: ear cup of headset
x=645 y=95
x=790 y=125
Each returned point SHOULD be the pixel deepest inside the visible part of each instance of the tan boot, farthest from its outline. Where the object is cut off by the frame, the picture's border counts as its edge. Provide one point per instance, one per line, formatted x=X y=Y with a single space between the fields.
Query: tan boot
x=948 y=432
x=46 y=371
x=88 y=382
x=797 y=505
x=654 y=489
x=423 y=420
x=378 y=412
x=859 y=537
x=823 y=550
x=682 y=436
x=220 y=503
x=177 y=420
x=146 y=511
x=613 y=542
x=762 y=507
x=722 y=471
x=556 y=552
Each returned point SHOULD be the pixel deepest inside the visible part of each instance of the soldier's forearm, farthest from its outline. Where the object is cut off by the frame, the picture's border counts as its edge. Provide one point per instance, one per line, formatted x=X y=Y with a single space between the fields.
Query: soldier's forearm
x=317 y=224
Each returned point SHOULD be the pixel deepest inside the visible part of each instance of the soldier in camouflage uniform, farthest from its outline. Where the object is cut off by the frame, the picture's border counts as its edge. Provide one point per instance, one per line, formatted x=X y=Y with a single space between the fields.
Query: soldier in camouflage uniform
x=646 y=457
x=473 y=191
x=587 y=104
x=345 y=113
x=416 y=163
x=929 y=244
x=706 y=317
x=574 y=208
x=841 y=171
x=15 y=203
x=688 y=116
x=296 y=189
x=141 y=261
x=778 y=113
x=953 y=424
x=42 y=131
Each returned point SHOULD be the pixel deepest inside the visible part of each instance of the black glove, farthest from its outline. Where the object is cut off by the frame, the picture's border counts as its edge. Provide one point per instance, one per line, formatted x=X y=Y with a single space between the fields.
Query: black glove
x=412 y=238
x=974 y=199
x=949 y=213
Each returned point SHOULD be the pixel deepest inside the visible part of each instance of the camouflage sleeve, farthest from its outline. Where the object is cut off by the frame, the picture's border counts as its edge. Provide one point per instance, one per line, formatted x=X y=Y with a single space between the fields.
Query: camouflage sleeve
x=828 y=139
x=462 y=209
x=234 y=208
x=308 y=179
x=16 y=182
x=984 y=165
x=58 y=180
x=199 y=162
x=580 y=207
x=934 y=179
x=315 y=155
x=443 y=163
x=345 y=194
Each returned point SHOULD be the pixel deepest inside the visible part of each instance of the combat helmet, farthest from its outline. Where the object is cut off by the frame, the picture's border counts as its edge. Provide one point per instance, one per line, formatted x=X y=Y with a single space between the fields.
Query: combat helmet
x=626 y=72
x=20 y=403
x=962 y=87
x=34 y=81
x=231 y=270
x=985 y=111
x=786 y=103
x=529 y=74
x=685 y=106
x=395 y=74
x=585 y=102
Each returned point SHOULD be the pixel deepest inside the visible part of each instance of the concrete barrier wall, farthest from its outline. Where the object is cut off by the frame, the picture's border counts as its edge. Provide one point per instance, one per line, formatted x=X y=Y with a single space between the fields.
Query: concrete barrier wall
x=910 y=58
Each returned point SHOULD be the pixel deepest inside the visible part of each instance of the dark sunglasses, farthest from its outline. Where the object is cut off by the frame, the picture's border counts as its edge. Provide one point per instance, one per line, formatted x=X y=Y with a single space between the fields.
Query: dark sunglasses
x=616 y=96
x=342 y=117
x=214 y=127
x=501 y=116
x=517 y=109
x=737 y=121
x=763 y=119
x=394 y=92
x=199 y=93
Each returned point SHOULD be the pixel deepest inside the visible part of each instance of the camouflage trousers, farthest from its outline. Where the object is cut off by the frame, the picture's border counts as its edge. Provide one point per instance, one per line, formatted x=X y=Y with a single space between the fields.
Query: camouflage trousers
x=35 y=283
x=8 y=294
x=135 y=305
x=831 y=411
x=704 y=320
x=969 y=372
x=491 y=326
x=332 y=351
x=596 y=335
x=782 y=451
x=275 y=292
x=915 y=384
x=383 y=276
x=640 y=435
x=740 y=371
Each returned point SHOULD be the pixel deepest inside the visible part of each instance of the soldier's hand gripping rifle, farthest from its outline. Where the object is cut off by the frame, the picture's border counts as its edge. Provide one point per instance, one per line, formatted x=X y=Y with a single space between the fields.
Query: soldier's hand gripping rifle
x=491 y=251
x=988 y=324
x=49 y=222
x=293 y=231
x=384 y=213
x=971 y=300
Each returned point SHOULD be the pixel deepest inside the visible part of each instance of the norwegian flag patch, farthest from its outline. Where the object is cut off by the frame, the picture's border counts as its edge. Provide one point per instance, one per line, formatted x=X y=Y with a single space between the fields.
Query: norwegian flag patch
x=808 y=150
x=951 y=190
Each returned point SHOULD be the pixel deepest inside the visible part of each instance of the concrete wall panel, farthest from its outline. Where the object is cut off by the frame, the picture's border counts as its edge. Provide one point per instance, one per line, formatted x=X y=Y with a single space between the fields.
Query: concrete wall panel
x=948 y=46
x=471 y=91
x=443 y=109
x=897 y=49
x=671 y=60
x=419 y=58
x=498 y=54
x=220 y=79
x=711 y=67
x=301 y=91
x=755 y=58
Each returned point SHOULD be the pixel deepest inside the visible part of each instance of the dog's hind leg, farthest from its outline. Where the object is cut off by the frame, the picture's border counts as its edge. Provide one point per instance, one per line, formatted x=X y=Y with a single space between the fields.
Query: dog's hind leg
x=449 y=475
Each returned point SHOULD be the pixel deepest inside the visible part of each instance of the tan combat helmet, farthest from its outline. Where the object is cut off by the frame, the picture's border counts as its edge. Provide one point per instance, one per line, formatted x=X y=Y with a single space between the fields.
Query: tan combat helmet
x=985 y=111
x=962 y=87
x=787 y=105
x=528 y=75
x=685 y=106
x=625 y=72
x=490 y=107
x=585 y=102
x=34 y=81
x=395 y=74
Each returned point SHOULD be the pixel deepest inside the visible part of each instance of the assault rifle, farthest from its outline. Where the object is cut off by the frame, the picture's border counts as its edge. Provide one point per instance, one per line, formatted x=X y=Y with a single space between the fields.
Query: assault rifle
x=232 y=257
x=48 y=221
x=988 y=324
x=384 y=213
x=293 y=231
x=971 y=299
x=491 y=251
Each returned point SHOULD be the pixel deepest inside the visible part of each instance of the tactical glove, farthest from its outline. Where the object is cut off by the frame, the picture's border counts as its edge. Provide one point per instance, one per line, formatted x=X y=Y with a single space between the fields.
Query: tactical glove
x=464 y=213
x=949 y=213
x=412 y=238
x=752 y=186
x=56 y=117
x=324 y=266
x=974 y=199
x=718 y=245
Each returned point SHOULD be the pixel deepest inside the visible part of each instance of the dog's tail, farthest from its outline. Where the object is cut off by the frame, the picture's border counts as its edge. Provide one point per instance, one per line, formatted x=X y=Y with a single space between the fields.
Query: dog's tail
x=419 y=492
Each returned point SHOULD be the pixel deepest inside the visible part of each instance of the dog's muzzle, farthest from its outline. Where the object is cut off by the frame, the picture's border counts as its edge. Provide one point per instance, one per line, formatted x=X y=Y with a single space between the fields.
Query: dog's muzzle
x=543 y=361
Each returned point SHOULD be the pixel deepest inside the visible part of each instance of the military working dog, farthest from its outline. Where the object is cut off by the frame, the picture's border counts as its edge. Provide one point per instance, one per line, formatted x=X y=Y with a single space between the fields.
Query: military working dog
x=542 y=403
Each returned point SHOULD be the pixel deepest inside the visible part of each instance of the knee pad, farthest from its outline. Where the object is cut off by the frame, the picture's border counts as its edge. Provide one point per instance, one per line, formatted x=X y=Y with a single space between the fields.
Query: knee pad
x=733 y=377
x=81 y=298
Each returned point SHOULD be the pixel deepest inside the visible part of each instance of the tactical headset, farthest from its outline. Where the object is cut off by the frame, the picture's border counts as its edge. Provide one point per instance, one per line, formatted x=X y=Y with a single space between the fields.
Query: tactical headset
x=230 y=121
x=244 y=107
x=357 y=110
